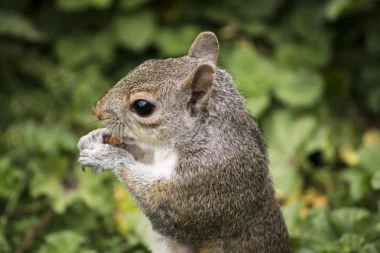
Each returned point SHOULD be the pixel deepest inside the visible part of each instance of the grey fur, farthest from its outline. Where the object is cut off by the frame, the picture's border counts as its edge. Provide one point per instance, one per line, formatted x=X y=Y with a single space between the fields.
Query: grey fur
x=220 y=198
x=99 y=156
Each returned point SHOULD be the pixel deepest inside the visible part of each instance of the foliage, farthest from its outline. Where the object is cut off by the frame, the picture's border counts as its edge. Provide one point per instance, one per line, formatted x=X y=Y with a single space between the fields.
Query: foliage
x=309 y=71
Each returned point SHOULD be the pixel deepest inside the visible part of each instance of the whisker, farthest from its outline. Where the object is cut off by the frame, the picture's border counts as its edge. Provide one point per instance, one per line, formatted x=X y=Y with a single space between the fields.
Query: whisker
x=93 y=122
x=123 y=133
x=109 y=128
x=118 y=131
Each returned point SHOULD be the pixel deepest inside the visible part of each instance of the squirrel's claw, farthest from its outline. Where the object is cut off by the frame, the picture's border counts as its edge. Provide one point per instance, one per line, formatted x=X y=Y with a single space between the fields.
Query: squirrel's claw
x=83 y=167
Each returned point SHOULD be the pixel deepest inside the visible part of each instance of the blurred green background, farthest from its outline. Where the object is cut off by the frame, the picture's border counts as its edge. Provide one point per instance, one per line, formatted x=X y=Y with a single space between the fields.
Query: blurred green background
x=309 y=70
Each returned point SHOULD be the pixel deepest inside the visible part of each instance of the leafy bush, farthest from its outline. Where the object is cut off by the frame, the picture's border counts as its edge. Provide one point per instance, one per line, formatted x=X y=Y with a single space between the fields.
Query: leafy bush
x=309 y=71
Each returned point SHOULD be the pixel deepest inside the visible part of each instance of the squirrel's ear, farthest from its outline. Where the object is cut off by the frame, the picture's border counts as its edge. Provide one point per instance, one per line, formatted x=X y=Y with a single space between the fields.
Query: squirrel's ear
x=205 y=46
x=200 y=84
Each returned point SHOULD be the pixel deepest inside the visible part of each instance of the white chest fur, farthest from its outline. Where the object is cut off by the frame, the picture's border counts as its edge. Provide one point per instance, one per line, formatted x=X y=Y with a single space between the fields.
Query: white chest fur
x=163 y=164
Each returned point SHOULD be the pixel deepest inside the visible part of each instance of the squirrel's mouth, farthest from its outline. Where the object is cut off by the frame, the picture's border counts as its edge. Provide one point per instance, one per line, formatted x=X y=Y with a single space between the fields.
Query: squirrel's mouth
x=116 y=141
x=117 y=130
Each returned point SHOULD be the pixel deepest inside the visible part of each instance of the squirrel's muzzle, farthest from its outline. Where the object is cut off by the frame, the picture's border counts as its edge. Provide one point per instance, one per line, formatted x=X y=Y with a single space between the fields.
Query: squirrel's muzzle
x=96 y=110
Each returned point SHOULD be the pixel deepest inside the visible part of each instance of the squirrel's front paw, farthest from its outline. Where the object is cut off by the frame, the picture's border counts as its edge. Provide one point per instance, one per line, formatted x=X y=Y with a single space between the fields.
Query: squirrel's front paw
x=93 y=138
x=100 y=157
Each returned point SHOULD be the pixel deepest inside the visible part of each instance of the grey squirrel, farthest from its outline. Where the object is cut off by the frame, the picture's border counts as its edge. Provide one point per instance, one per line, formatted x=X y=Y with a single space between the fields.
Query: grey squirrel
x=192 y=157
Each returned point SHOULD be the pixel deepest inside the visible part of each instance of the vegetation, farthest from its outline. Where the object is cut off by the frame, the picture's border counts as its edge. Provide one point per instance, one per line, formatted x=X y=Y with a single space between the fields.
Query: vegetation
x=309 y=70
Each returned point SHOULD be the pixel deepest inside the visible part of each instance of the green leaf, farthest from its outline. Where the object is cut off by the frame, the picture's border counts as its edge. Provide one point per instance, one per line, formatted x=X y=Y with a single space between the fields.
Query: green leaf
x=373 y=41
x=128 y=216
x=250 y=71
x=87 y=251
x=15 y=25
x=79 y=49
x=257 y=104
x=135 y=32
x=348 y=219
x=42 y=137
x=336 y=8
x=253 y=73
x=167 y=40
x=287 y=134
x=358 y=182
x=4 y=245
x=256 y=76
x=307 y=17
x=62 y=242
x=88 y=190
x=322 y=234
x=371 y=90
x=286 y=177
x=375 y=181
x=74 y=5
x=132 y=4
x=369 y=158
x=308 y=53
x=252 y=9
x=255 y=27
x=8 y=177
x=354 y=243
x=48 y=181
x=291 y=214
x=24 y=225
x=300 y=88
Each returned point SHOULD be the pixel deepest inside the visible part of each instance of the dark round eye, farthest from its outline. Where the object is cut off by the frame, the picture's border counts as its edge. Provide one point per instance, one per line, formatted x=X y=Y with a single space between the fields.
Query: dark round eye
x=142 y=107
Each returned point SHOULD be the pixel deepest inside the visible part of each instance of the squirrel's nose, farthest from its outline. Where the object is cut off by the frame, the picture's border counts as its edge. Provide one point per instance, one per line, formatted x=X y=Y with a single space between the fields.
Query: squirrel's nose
x=96 y=110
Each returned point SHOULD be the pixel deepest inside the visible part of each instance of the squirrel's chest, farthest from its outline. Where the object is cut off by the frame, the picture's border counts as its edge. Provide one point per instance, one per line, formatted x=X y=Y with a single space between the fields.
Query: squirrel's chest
x=163 y=164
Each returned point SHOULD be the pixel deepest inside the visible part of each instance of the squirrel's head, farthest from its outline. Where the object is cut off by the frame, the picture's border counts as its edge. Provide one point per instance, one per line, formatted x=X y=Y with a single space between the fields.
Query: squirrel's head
x=162 y=97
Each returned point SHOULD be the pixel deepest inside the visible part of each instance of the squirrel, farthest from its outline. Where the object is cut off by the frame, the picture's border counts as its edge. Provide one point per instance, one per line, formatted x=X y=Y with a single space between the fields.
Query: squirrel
x=190 y=154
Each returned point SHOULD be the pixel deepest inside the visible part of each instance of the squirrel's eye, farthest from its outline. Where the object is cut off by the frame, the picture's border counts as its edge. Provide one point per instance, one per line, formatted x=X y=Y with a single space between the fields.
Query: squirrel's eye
x=142 y=107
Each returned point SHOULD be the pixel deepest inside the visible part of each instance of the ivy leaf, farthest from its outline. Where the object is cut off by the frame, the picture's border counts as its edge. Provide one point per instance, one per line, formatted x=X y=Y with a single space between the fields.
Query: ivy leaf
x=355 y=243
x=15 y=25
x=369 y=158
x=132 y=4
x=8 y=177
x=256 y=77
x=322 y=234
x=251 y=9
x=87 y=251
x=371 y=90
x=286 y=177
x=299 y=88
x=257 y=104
x=88 y=190
x=135 y=32
x=291 y=214
x=4 y=245
x=373 y=41
x=73 y=5
x=336 y=8
x=65 y=241
x=48 y=181
x=287 y=134
x=375 y=181
x=358 y=182
x=253 y=75
x=167 y=40
x=81 y=49
x=128 y=216
x=34 y=137
x=348 y=219
x=24 y=225
x=303 y=54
